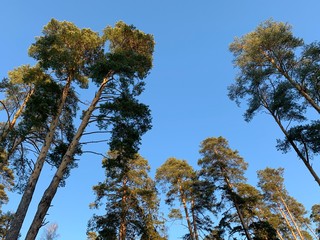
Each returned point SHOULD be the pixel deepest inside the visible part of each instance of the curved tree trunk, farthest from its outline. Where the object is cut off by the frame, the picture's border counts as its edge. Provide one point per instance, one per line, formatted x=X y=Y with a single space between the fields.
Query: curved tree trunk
x=50 y=192
x=21 y=212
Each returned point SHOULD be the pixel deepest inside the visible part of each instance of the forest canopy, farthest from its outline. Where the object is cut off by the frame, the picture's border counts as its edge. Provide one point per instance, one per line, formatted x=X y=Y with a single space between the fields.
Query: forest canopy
x=46 y=123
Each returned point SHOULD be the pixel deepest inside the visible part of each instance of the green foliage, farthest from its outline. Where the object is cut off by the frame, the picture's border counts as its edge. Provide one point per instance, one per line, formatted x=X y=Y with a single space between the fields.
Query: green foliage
x=307 y=136
x=70 y=55
x=279 y=202
x=224 y=168
x=67 y=50
x=129 y=120
x=315 y=217
x=130 y=50
x=219 y=162
x=182 y=186
x=5 y=219
x=279 y=73
x=131 y=199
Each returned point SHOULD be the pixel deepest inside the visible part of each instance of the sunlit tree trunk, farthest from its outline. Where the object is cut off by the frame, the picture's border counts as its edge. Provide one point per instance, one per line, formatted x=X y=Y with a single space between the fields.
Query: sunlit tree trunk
x=123 y=220
x=184 y=203
x=11 y=123
x=287 y=222
x=291 y=217
x=279 y=234
x=50 y=192
x=32 y=182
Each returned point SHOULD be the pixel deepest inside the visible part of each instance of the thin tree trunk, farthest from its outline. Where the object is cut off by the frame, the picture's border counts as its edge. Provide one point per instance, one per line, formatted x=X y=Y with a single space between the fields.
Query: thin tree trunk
x=244 y=225
x=279 y=235
x=312 y=231
x=288 y=223
x=291 y=217
x=295 y=147
x=301 y=91
x=184 y=202
x=195 y=228
x=292 y=82
x=50 y=192
x=21 y=212
x=123 y=222
x=6 y=131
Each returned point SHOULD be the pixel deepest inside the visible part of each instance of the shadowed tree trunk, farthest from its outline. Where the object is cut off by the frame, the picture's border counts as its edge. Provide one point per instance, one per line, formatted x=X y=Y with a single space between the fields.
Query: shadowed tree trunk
x=50 y=192
x=29 y=190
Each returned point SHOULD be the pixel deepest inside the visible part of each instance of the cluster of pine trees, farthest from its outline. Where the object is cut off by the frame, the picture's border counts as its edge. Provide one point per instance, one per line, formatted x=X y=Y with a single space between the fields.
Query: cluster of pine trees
x=279 y=74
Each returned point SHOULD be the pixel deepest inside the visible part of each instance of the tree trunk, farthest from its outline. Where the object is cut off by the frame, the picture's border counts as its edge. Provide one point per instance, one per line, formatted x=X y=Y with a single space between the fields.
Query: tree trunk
x=295 y=147
x=292 y=82
x=279 y=235
x=195 y=228
x=244 y=225
x=291 y=217
x=288 y=223
x=312 y=231
x=184 y=202
x=21 y=212
x=123 y=220
x=16 y=116
x=50 y=192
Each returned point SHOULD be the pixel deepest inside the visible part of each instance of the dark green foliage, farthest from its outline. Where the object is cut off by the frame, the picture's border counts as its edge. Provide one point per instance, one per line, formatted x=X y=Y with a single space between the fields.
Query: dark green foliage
x=307 y=136
x=130 y=198
x=42 y=105
x=315 y=217
x=263 y=230
x=130 y=120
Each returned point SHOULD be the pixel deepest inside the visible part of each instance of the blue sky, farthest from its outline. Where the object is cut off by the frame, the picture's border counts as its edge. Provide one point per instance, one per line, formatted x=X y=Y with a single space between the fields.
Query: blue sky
x=186 y=90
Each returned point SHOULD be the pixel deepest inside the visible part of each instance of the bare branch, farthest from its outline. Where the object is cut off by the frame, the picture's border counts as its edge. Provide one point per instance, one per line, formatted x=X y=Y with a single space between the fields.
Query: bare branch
x=97 y=141
x=95 y=132
x=95 y=153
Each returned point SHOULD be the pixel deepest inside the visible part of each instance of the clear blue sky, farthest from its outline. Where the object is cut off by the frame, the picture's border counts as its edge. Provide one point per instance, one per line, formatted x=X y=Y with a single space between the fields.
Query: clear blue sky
x=186 y=90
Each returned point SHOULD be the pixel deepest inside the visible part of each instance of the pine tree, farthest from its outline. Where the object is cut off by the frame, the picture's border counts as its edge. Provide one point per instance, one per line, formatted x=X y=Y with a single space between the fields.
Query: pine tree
x=131 y=201
x=279 y=74
x=224 y=168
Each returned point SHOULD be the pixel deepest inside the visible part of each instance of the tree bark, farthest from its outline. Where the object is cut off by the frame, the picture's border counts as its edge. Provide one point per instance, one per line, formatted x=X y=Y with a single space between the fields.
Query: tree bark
x=243 y=223
x=50 y=192
x=123 y=222
x=21 y=212
x=292 y=82
x=291 y=217
x=294 y=146
x=184 y=202
x=6 y=131
x=195 y=228
x=288 y=223
x=279 y=235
